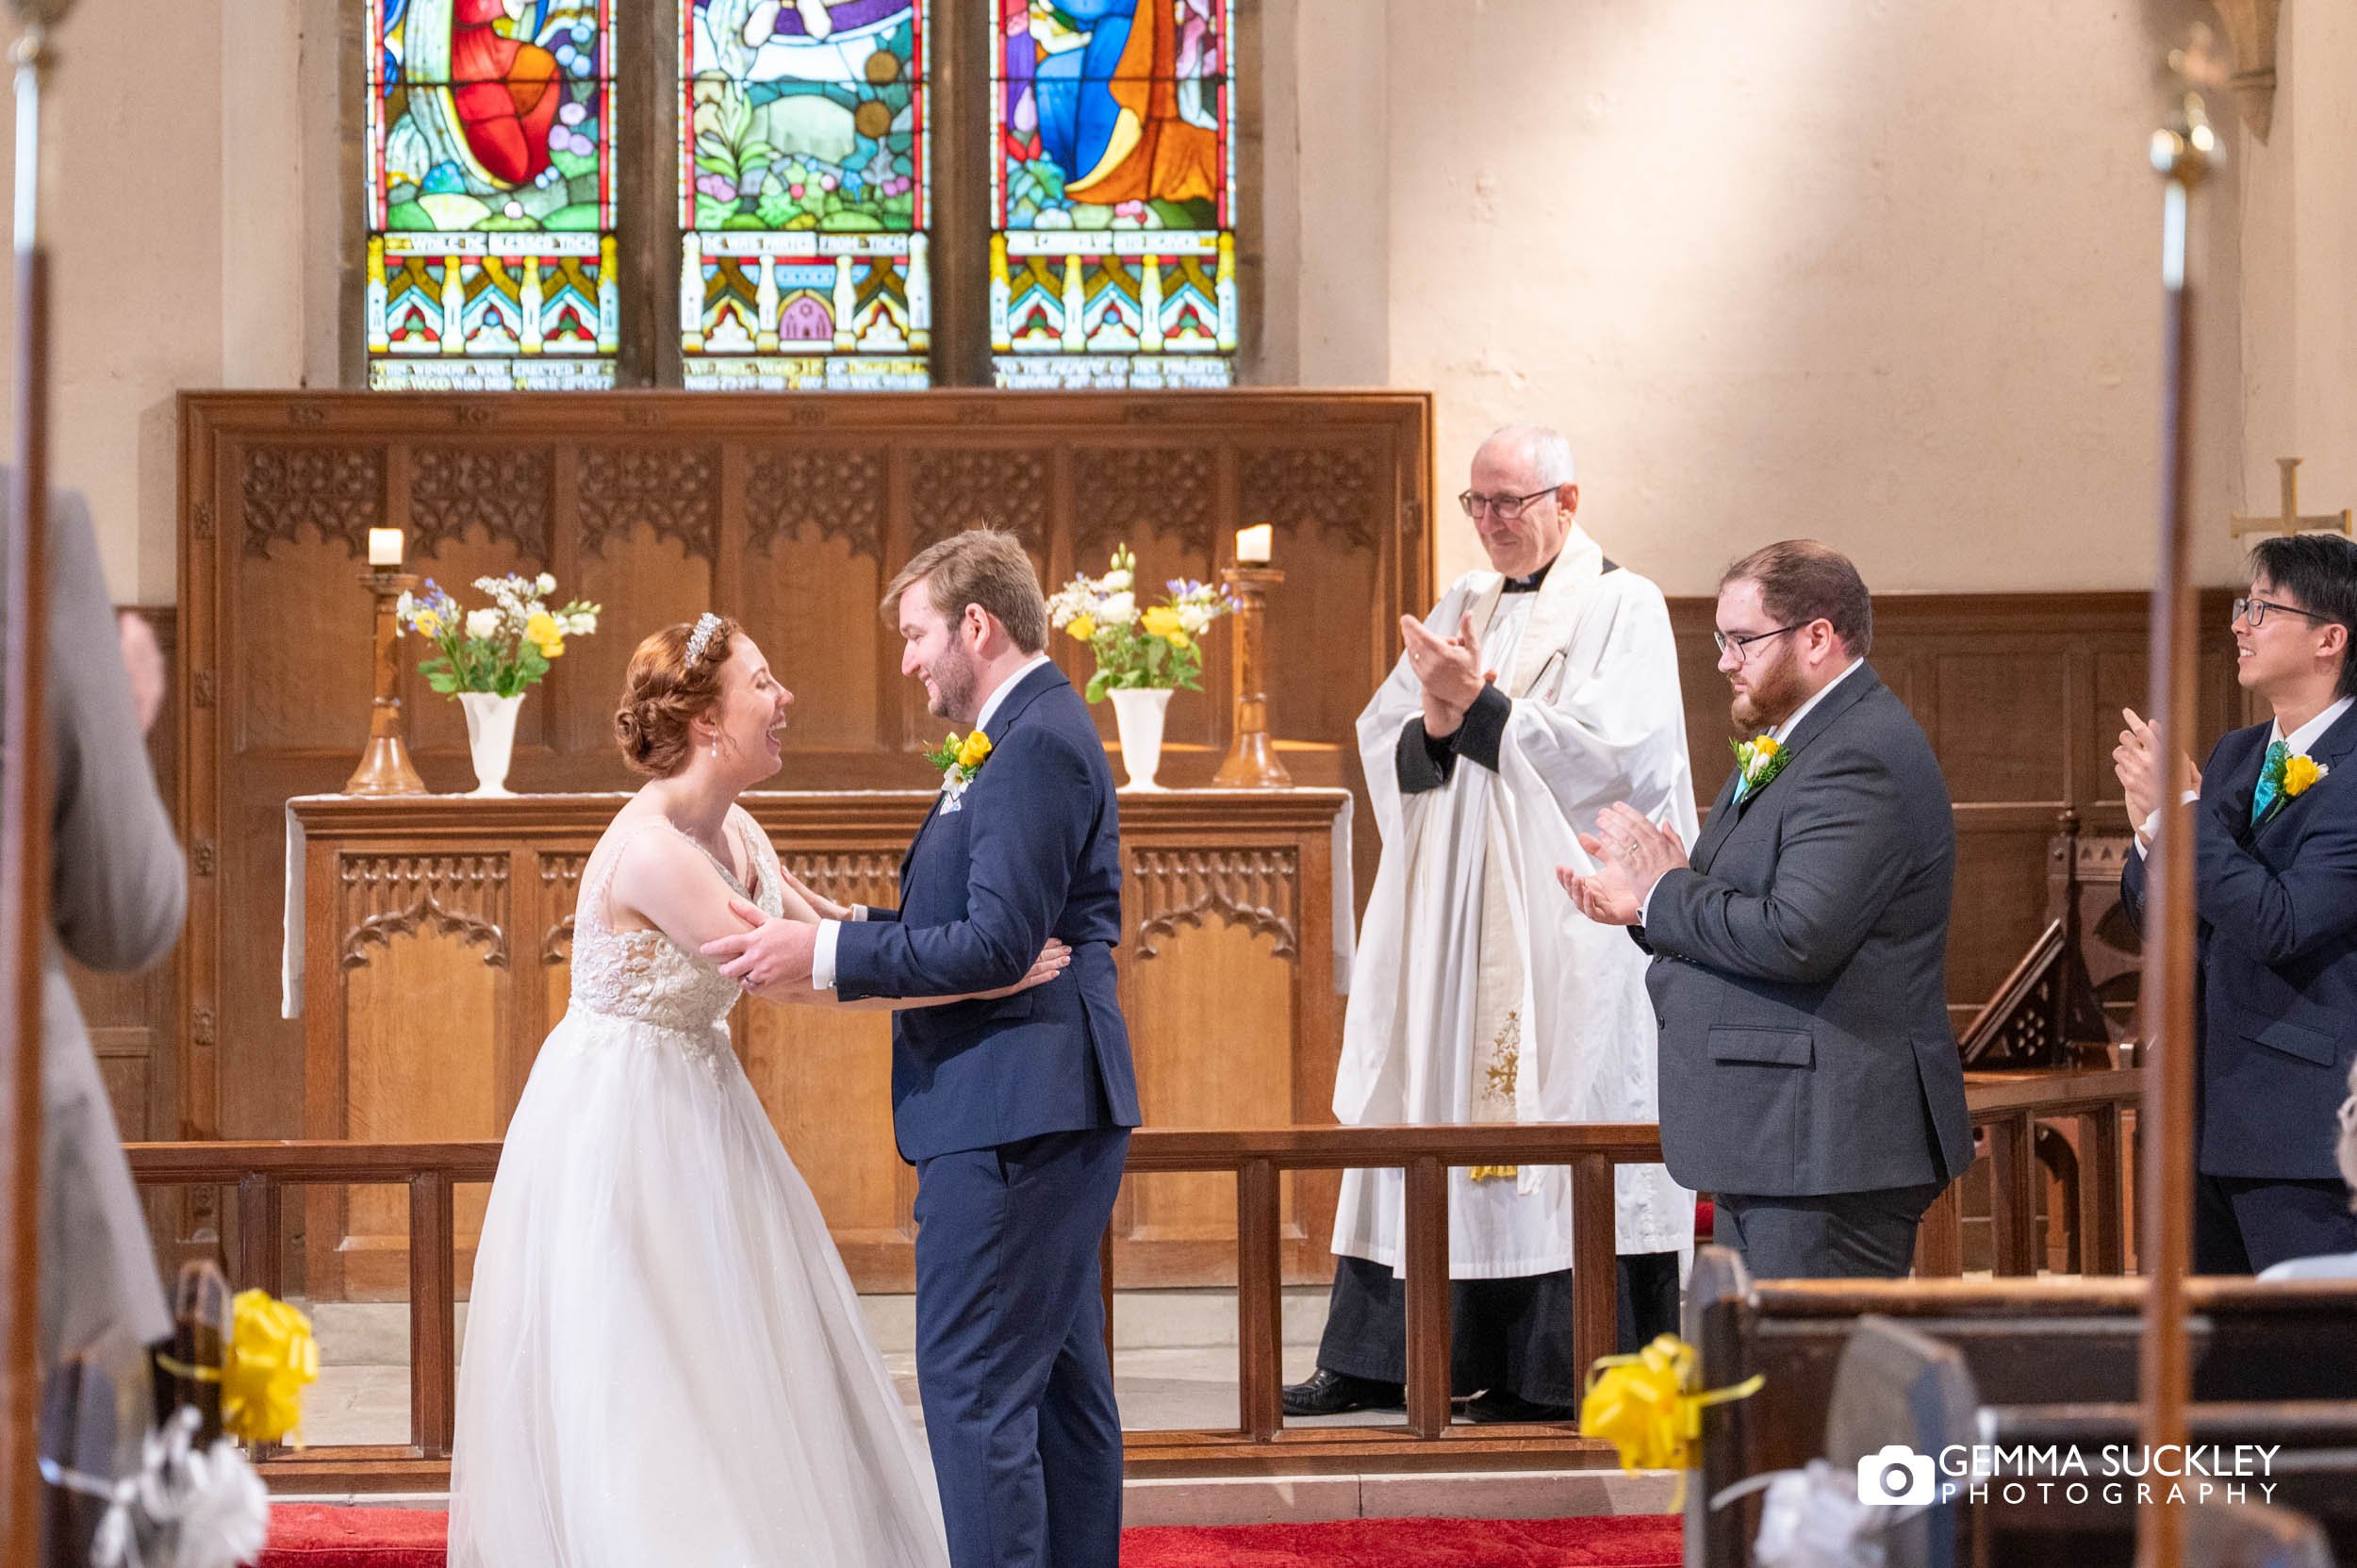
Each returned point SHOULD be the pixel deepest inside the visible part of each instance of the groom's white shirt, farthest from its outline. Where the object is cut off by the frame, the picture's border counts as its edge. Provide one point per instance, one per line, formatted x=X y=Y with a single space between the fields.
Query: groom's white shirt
x=822 y=957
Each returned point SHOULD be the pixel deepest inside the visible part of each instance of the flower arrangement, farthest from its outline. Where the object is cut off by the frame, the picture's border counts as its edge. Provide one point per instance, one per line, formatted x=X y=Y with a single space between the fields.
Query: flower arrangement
x=502 y=647
x=1156 y=647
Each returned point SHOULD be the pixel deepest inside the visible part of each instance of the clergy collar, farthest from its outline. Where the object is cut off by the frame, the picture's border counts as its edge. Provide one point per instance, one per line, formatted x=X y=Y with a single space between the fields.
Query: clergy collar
x=1529 y=584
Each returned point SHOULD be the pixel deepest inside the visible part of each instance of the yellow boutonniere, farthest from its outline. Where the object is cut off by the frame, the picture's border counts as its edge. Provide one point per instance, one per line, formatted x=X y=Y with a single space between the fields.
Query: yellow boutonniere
x=960 y=757
x=1757 y=760
x=2300 y=772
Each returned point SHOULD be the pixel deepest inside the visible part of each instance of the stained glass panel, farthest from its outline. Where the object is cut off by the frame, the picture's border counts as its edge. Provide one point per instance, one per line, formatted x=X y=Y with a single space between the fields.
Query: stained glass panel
x=490 y=192
x=804 y=193
x=1112 y=184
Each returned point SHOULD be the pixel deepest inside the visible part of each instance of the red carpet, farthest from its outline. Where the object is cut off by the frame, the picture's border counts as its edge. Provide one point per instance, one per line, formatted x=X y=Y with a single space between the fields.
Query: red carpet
x=309 y=1536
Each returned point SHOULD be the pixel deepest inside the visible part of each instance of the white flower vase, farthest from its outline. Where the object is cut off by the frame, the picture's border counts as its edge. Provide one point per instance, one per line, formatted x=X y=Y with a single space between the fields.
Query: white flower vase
x=490 y=738
x=1138 y=718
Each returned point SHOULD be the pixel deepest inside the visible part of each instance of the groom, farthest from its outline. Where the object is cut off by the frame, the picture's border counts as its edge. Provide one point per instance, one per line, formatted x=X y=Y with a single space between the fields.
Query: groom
x=1015 y=1112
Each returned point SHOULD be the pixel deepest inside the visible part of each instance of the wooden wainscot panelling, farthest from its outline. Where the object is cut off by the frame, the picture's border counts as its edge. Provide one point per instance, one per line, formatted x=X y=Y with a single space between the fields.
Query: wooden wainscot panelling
x=789 y=513
x=425 y=919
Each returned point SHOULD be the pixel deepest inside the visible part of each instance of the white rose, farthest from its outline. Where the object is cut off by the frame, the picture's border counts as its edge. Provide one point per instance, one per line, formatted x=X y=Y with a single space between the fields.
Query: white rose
x=483 y=624
x=1117 y=582
x=1193 y=617
x=544 y=584
x=1118 y=609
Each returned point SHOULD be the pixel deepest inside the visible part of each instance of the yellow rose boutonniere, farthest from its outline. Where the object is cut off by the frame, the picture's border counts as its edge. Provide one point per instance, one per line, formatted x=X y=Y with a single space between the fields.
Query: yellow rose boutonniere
x=2300 y=772
x=1757 y=760
x=958 y=757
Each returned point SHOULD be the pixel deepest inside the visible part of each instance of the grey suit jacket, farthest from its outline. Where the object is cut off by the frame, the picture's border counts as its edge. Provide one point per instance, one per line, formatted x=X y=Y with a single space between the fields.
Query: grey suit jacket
x=118 y=890
x=1799 y=973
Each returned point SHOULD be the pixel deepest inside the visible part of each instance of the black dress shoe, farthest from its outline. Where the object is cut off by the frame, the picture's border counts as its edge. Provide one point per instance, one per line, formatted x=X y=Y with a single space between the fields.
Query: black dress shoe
x=1339 y=1392
x=1502 y=1405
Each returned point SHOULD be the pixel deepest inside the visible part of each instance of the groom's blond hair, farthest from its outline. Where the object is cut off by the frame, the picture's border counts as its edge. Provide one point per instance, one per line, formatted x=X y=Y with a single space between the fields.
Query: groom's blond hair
x=981 y=566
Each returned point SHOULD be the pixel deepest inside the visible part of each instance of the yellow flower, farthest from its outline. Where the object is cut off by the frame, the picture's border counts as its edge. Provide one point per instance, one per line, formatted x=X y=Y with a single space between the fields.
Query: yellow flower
x=977 y=747
x=430 y=624
x=2298 y=773
x=1162 y=621
x=543 y=633
x=271 y=1356
x=1082 y=629
x=1764 y=747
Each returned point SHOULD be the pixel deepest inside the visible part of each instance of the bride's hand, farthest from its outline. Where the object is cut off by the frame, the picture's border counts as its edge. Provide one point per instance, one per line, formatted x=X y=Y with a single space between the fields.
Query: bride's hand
x=828 y=909
x=1047 y=966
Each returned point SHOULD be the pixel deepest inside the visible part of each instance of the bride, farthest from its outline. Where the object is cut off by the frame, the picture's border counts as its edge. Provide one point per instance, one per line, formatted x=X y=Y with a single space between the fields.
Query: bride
x=665 y=1361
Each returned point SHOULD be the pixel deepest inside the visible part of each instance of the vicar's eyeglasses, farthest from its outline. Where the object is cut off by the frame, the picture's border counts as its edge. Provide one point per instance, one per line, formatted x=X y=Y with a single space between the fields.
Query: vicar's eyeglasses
x=1506 y=508
x=2252 y=612
x=1742 y=645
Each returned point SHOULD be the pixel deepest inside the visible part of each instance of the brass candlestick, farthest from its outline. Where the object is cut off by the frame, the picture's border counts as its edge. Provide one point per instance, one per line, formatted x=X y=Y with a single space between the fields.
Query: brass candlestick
x=1252 y=755
x=384 y=767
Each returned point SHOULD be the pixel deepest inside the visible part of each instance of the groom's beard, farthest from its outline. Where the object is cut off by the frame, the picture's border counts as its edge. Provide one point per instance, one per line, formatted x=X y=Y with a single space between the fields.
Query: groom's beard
x=954 y=680
x=1774 y=693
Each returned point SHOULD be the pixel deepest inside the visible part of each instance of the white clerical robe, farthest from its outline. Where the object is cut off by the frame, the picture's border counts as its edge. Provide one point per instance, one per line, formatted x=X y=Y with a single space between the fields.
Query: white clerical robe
x=1478 y=992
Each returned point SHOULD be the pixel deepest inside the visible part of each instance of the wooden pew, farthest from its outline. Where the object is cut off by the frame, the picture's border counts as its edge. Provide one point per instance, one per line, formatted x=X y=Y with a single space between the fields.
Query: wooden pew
x=2023 y=1343
x=1896 y=1385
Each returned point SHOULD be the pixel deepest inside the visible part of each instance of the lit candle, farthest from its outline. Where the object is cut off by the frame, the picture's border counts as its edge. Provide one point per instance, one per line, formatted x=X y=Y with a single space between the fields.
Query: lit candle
x=384 y=547
x=1252 y=545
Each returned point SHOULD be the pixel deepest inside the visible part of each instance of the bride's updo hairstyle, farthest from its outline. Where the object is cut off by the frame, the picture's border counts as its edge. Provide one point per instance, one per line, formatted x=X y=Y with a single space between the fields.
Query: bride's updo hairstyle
x=663 y=692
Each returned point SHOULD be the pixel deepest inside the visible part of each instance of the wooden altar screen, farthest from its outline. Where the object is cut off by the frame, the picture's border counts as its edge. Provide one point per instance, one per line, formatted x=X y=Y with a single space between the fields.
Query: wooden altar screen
x=788 y=511
x=434 y=936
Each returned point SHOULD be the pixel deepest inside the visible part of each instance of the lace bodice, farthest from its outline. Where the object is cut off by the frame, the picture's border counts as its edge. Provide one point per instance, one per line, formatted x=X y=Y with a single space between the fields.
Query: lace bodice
x=645 y=976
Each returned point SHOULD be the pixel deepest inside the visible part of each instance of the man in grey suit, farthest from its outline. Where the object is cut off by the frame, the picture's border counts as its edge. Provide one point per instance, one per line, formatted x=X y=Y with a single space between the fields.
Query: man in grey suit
x=118 y=890
x=1810 y=1078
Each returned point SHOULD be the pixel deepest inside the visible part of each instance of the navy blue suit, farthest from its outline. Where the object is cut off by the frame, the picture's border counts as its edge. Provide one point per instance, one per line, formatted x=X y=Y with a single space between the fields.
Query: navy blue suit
x=1017 y=1115
x=2277 y=933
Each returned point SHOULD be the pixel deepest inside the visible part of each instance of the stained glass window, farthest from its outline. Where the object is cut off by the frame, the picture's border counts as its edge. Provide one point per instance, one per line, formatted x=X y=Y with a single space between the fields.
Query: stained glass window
x=1112 y=261
x=490 y=192
x=804 y=193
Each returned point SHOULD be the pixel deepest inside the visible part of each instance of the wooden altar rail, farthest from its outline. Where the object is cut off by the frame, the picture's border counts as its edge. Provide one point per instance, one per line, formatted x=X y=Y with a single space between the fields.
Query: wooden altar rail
x=260 y=1173
x=2009 y=1106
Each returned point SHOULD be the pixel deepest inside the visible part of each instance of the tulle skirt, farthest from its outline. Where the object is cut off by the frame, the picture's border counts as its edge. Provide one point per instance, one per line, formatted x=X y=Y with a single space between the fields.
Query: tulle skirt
x=665 y=1361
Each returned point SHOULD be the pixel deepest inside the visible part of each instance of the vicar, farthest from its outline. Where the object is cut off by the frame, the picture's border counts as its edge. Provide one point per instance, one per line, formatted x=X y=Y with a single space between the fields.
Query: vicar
x=1537 y=693
x=2275 y=869
x=1809 y=1079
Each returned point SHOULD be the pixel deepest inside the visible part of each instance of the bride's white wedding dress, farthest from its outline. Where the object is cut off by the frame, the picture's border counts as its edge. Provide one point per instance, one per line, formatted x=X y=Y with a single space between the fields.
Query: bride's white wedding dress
x=665 y=1361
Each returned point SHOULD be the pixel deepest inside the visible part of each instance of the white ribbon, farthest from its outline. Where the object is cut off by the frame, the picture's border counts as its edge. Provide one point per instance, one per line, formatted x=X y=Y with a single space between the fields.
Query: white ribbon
x=200 y=1509
x=1813 y=1519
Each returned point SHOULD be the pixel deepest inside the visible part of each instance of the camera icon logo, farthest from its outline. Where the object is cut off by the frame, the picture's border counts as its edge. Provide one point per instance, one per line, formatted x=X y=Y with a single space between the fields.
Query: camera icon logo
x=1894 y=1477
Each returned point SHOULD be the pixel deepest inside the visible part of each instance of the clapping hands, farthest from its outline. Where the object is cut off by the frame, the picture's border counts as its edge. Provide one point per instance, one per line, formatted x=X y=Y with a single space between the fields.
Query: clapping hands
x=1632 y=853
x=2136 y=761
x=1450 y=670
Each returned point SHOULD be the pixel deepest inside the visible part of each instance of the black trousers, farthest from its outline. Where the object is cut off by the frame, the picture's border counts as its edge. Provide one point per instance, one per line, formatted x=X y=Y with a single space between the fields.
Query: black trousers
x=1868 y=1235
x=2244 y=1224
x=1510 y=1334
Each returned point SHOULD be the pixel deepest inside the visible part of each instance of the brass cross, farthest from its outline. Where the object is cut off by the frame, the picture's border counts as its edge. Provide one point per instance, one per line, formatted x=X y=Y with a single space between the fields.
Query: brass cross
x=2291 y=522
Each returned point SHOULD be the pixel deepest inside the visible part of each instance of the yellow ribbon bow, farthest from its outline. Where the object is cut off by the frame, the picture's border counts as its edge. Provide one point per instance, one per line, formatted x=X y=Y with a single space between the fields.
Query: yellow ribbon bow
x=271 y=1356
x=1644 y=1405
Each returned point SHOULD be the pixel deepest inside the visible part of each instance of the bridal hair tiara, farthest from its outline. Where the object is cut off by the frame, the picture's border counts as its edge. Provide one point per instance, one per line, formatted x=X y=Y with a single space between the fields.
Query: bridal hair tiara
x=698 y=639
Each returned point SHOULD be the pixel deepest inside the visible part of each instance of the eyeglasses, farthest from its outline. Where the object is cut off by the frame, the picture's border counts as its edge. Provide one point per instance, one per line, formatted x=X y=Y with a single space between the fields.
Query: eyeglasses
x=1742 y=645
x=1506 y=508
x=2253 y=612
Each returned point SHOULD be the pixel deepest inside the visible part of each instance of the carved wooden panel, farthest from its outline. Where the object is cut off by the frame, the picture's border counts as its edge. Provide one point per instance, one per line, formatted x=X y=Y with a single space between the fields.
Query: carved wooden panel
x=1256 y=889
x=954 y=488
x=337 y=490
x=560 y=886
x=1127 y=492
x=836 y=492
x=505 y=492
x=869 y=877
x=1331 y=488
x=463 y=896
x=673 y=491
